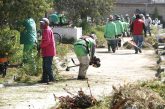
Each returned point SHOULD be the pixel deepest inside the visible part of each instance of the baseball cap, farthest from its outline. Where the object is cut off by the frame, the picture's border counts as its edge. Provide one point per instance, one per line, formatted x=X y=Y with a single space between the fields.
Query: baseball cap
x=93 y=36
x=147 y=15
x=45 y=20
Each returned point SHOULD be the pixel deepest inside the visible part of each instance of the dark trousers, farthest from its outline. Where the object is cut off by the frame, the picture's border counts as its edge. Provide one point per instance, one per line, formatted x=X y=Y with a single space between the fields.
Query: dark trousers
x=47 y=69
x=148 y=30
x=112 y=44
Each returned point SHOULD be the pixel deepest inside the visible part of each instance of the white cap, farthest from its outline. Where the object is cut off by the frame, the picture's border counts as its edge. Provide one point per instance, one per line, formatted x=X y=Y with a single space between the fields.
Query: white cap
x=45 y=20
x=93 y=36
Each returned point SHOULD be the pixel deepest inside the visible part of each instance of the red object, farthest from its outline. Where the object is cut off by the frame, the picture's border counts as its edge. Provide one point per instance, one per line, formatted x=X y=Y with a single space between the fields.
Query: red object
x=2 y=60
x=48 y=43
x=132 y=43
x=138 y=27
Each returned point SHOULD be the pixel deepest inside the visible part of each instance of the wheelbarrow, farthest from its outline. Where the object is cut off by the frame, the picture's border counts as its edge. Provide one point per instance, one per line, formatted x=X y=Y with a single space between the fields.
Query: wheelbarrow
x=3 y=66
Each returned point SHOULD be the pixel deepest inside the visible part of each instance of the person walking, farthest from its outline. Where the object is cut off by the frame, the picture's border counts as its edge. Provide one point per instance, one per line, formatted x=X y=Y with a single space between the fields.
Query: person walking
x=148 y=22
x=137 y=28
x=48 y=51
x=110 y=32
x=120 y=29
x=84 y=49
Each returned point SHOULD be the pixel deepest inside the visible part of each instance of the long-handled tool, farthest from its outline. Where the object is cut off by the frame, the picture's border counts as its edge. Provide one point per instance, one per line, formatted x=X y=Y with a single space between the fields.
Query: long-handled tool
x=68 y=67
x=133 y=43
x=75 y=65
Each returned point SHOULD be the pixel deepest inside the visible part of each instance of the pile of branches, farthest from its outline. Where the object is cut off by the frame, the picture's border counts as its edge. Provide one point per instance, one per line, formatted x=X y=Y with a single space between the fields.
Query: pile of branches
x=135 y=97
x=78 y=101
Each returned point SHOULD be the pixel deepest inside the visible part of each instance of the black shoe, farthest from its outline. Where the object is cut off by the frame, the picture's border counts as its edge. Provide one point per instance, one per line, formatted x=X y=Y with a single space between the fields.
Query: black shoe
x=42 y=81
x=140 y=51
x=114 y=50
x=53 y=80
x=136 y=52
x=81 y=78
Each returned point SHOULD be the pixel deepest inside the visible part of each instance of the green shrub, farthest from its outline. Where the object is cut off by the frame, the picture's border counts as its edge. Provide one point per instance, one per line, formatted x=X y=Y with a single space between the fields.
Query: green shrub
x=86 y=27
x=99 y=31
x=8 y=41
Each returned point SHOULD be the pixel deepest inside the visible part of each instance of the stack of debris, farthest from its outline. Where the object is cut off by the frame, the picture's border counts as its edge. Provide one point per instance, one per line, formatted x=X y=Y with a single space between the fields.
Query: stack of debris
x=136 y=97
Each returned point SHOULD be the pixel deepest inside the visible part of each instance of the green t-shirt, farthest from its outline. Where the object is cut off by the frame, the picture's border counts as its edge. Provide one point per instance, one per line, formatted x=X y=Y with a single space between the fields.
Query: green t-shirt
x=80 y=48
x=110 y=30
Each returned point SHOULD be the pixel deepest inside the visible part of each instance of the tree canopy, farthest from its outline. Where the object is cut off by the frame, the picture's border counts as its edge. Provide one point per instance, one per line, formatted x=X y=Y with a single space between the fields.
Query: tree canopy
x=18 y=10
x=83 y=8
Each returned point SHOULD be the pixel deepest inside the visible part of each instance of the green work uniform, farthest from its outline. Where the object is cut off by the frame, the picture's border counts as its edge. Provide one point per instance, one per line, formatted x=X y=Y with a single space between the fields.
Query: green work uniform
x=120 y=27
x=110 y=30
x=133 y=18
x=54 y=18
x=62 y=18
x=110 y=33
x=28 y=37
x=126 y=26
x=80 y=46
x=83 y=47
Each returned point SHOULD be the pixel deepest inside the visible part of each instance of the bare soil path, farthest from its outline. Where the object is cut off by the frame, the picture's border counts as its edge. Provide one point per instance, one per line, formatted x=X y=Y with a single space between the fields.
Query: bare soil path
x=116 y=69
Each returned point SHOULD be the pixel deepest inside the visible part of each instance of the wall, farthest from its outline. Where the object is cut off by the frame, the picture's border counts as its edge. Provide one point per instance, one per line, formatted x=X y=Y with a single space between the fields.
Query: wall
x=125 y=8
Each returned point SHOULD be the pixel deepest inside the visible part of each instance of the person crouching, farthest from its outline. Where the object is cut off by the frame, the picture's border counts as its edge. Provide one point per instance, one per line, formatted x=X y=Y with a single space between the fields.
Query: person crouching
x=84 y=49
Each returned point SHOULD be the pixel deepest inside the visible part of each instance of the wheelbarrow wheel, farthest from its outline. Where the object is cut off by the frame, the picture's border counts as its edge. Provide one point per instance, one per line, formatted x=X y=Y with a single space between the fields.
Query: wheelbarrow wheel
x=58 y=38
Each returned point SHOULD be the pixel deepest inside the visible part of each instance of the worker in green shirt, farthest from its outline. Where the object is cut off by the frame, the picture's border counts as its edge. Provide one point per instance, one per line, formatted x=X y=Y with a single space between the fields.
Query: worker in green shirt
x=110 y=33
x=127 y=18
x=120 y=29
x=83 y=48
x=119 y=26
x=58 y=19
x=126 y=28
x=54 y=19
x=28 y=38
x=133 y=18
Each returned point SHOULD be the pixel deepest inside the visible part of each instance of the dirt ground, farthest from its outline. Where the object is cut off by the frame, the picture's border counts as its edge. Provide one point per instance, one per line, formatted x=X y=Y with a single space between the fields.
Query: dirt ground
x=116 y=69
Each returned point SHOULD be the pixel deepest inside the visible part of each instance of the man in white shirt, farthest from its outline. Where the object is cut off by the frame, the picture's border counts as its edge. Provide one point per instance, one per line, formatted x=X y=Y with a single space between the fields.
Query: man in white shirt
x=148 y=22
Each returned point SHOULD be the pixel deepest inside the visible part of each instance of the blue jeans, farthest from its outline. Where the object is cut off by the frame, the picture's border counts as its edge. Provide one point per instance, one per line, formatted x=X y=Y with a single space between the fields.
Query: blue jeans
x=47 y=69
x=138 y=39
